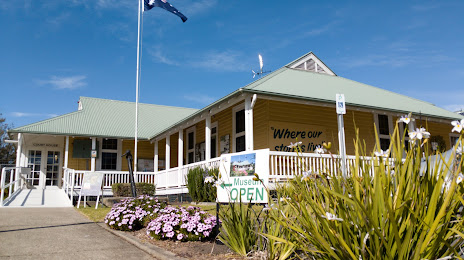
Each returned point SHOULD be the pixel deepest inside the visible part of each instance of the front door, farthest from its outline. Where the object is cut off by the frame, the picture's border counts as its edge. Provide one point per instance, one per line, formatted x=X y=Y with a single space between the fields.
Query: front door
x=35 y=163
x=45 y=168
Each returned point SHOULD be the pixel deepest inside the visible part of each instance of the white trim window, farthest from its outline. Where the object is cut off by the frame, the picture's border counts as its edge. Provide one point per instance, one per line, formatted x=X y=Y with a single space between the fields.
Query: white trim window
x=384 y=127
x=453 y=139
x=110 y=156
x=238 y=128
x=214 y=140
x=190 y=144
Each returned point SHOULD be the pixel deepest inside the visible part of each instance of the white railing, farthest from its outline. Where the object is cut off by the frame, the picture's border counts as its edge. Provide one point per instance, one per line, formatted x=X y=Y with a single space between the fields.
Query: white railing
x=283 y=165
x=172 y=178
x=11 y=182
x=175 y=177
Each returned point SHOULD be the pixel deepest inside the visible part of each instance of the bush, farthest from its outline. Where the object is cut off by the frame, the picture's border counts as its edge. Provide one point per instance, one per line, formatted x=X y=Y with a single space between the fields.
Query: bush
x=201 y=184
x=130 y=214
x=124 y=189
x=385 y=210
x=182 y=224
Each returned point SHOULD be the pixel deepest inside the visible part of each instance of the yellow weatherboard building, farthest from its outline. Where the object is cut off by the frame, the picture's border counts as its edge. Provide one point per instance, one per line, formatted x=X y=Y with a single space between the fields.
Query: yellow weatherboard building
x=295 y=102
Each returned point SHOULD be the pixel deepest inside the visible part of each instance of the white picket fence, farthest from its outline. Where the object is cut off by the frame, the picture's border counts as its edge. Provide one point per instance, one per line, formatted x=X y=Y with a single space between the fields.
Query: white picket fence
x=282 y=165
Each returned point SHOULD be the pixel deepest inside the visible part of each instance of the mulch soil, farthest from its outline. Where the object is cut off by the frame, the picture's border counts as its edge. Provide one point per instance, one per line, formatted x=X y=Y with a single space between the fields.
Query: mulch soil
x=192 y=249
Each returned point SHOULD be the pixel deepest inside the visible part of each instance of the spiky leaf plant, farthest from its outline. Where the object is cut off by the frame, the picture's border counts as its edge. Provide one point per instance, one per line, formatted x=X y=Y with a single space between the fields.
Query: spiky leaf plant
x=388 y=208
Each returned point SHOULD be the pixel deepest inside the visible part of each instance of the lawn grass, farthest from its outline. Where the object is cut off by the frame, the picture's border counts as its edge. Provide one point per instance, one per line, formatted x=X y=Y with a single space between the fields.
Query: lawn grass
x=95 y=215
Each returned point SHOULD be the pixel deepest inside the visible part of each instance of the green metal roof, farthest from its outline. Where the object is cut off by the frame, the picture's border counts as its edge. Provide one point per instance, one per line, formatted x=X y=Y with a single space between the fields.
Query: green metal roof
x=109 y=118
x=308 y=85
x=322 y=87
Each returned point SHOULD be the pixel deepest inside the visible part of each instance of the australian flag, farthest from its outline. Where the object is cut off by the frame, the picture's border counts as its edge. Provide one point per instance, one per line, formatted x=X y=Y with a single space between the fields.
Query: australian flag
x=149 y=4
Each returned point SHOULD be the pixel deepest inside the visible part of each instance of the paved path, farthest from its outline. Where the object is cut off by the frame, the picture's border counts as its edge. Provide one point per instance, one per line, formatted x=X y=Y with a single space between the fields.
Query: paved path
x=59 y=233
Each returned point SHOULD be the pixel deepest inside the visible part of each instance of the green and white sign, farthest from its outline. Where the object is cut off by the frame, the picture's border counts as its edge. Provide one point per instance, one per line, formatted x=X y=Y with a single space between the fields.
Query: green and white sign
x=237 y=172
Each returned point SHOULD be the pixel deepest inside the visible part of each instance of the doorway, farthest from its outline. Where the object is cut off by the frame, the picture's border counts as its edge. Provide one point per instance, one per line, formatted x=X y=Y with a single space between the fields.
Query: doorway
x=45 y=168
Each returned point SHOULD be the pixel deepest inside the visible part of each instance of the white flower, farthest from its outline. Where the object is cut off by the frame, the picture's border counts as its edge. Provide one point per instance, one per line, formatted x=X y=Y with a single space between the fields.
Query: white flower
x=459 y=179
x=457 y=126
x=209 y=179
x=382 y=153
x=306 y=174
x=330 y=216
x=405 y=119
x=319 y=149
x=418 y=134
x=294 y=145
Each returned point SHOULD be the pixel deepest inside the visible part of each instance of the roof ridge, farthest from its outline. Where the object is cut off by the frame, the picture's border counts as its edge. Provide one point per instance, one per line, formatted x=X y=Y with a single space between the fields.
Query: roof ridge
x=147 y=104
x=265 y=78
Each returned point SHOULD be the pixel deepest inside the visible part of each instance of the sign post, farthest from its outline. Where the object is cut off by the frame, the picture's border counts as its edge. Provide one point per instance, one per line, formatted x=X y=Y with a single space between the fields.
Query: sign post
x=341 y=110
x=237 y=172
x=91 y=186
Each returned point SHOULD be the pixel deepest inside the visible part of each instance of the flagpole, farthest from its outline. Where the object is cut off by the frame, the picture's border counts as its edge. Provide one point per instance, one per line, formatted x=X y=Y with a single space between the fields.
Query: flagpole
x=137 y=82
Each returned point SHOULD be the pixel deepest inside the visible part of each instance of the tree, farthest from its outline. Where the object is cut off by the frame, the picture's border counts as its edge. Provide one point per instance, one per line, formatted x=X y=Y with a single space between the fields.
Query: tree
x=7 y=151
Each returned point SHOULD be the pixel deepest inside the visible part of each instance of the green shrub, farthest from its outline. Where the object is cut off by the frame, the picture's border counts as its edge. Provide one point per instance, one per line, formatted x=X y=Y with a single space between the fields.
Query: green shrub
x=124 y=189
x=382 y=211
x=198 y=189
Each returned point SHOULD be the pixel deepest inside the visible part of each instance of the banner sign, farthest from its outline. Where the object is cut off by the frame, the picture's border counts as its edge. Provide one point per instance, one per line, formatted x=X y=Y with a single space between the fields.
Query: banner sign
x=91 y=184
x=282 y=133
x=237 y=172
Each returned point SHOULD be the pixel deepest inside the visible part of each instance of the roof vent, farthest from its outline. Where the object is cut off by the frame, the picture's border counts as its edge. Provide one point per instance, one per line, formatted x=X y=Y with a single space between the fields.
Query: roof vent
x=312 y=63
x=79 y=105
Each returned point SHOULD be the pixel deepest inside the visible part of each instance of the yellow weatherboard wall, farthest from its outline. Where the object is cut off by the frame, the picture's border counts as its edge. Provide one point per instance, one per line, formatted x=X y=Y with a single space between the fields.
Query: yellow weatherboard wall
x=74 y=163
x=145 y=150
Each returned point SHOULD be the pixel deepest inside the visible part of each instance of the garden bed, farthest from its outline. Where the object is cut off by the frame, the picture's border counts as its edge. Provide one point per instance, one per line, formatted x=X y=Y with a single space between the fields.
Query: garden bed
x=189 y=249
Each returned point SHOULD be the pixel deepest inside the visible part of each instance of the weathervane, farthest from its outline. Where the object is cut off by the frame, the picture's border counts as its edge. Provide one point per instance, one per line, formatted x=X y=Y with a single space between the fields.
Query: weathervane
x=260 y=72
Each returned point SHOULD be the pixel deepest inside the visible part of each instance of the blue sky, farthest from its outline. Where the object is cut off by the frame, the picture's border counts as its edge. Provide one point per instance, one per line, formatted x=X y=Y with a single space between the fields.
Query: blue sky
x=53 y=51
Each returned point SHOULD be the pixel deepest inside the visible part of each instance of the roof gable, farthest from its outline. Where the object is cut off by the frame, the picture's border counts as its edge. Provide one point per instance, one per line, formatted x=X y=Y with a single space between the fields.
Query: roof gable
x=310 y=62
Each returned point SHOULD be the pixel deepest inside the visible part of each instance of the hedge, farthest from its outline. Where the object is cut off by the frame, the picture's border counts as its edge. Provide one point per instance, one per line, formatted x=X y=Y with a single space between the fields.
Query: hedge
x=124 y=189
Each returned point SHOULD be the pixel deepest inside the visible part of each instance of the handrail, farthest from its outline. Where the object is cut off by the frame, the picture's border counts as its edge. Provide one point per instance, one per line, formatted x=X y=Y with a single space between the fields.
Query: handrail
x=14 y=180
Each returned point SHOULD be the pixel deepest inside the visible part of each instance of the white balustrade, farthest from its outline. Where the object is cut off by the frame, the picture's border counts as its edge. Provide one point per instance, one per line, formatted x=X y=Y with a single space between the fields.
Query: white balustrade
x=282 y=165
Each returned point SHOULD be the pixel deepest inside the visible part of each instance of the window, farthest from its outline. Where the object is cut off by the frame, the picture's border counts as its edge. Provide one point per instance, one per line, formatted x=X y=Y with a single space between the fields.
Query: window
x=191 y=145
x=109 y=154
x=214 y=139
x=384 y=129
x=239 y=128
x=453 y=139
x=109 y=161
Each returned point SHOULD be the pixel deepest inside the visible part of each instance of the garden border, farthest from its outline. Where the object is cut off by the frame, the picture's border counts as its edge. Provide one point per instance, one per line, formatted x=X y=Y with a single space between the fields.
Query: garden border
x=153 y=250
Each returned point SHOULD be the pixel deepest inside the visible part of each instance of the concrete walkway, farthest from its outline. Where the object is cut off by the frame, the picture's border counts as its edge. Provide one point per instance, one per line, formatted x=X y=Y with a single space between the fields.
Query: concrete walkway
x=51 y=197
x=59 y=233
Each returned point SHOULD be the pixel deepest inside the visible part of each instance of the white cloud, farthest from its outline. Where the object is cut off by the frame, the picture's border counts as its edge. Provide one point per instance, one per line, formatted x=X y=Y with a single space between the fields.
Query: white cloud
x=23 y=114
x=72 y=82
x=160 y=57
x=58 y=20
x=320 y=30
x=221 y=61
x=199 y=98
x=454 y=107
x=196 y=7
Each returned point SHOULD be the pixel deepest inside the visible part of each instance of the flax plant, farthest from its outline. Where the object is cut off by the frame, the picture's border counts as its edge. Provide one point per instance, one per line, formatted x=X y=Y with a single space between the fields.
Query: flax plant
x=387 y=208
